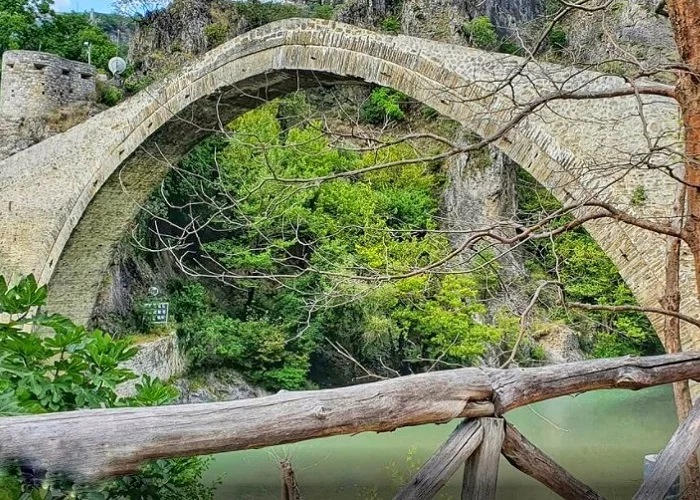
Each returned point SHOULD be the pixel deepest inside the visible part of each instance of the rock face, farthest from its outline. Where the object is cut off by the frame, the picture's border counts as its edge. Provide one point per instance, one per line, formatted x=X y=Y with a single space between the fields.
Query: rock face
x=160 y=358
x=223 y=384
x=507 y=16
x=442 y=19
x=560 y=344
x=175 y=33
x=628 y=29
x=481 y=194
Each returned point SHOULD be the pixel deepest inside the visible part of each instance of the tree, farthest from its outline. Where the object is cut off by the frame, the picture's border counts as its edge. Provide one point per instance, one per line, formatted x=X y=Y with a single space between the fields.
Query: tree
x=19 y=21
x=66 y=34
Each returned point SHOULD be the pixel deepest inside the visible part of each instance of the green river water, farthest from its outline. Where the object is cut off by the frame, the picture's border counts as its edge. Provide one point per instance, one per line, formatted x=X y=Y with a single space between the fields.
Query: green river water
x=601 y=437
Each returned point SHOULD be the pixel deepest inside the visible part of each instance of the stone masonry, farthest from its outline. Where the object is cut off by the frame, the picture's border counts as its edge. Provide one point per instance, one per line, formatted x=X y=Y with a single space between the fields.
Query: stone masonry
x=35 y=83
x=66 y=201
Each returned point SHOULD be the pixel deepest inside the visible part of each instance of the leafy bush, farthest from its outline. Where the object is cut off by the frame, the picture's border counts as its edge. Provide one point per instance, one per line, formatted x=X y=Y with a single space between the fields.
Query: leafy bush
x=391 y=25
x=481 y=33
x=69 y=368
x=384 y=104
x=429 y=113
x=215 y=34
x=108 y=94
x=321 y=11
x=590 y=277
x=557 y=38
x=639 y=196
x=256 y=348
x=257 y=13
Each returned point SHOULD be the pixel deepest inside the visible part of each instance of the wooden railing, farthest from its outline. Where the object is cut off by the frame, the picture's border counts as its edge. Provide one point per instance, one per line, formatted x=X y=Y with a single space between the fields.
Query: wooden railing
x=92 y=445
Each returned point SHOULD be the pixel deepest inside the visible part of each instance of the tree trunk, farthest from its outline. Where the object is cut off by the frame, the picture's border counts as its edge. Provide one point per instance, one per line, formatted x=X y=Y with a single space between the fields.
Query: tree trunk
x=685 y=19
x=672 y=342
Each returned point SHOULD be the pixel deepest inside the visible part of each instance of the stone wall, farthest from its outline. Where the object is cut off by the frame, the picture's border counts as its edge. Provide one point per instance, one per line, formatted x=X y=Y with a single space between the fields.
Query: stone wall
x=35 y=83
x=160 y=358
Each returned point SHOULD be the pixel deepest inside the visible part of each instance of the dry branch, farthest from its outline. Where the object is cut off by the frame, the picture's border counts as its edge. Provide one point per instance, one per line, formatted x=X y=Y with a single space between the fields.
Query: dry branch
x=96 y=444
x=444 y=463
x=525 y=456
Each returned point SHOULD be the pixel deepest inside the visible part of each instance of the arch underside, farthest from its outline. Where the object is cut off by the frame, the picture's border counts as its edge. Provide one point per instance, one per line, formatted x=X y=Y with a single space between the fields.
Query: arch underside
x=73 y=196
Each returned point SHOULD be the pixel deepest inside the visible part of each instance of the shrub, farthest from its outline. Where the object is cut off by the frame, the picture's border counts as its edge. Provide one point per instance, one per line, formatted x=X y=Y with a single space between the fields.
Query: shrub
x=321 y=11
x=383 y=105
x=639 y=196
x=216 y=34
x=429 y=113
x=391 y=25
x=108 y=94
x=558 y=38
x=256 y=348
x=70 y=368
x=481 y=33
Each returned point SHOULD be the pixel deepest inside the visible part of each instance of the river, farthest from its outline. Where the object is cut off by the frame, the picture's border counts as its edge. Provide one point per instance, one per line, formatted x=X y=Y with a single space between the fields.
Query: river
x=601 y=437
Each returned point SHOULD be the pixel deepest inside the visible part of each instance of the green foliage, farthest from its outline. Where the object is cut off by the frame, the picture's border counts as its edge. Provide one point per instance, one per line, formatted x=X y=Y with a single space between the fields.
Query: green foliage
x=33 y=25
x=481 y=33
x=258 y=13
x=108 y=94
x=373 y=224
x=557 y=38
x=69 y=368
x=383 y=105
x=135 y=85
x=429 y=113
x=639 y=196
x=391 y=25
x=216 y=33
x=507 y=46
x=589 y=276
x=67 y=34
x=320 y=11
x=19 y=23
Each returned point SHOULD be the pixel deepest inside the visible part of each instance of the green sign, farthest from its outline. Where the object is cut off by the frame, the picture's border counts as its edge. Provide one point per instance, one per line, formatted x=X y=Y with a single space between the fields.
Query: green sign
x=159 y=312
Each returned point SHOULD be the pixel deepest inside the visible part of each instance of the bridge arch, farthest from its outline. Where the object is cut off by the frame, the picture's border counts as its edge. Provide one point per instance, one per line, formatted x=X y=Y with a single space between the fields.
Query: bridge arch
x=65 y=202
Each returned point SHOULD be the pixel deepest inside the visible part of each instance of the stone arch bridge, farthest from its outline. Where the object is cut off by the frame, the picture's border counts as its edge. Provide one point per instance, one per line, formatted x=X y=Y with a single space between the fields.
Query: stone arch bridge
x=66 y=202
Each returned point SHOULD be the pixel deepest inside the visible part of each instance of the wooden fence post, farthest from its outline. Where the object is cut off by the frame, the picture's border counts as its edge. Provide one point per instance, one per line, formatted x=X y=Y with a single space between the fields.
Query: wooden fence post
x=290 y=488
x=444 y=463
x=481 y=468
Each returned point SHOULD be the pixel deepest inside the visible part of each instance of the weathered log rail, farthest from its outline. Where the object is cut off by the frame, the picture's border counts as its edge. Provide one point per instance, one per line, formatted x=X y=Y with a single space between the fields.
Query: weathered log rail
x=90 y=445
